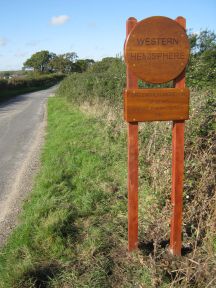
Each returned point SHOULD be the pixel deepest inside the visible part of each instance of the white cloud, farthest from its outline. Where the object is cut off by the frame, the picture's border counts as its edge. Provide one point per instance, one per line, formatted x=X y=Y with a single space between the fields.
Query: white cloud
x=3 y=41
x=59 y=20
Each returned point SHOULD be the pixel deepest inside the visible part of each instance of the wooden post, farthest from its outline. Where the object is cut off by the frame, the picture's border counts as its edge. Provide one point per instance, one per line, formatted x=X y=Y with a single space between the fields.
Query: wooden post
x=177 y=171
x=132 y=161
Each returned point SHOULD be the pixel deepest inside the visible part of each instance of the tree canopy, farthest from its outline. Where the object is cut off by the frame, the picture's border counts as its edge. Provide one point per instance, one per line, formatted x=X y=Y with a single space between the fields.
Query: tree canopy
x=40 y=61
x=45 y=61
x=202 y=66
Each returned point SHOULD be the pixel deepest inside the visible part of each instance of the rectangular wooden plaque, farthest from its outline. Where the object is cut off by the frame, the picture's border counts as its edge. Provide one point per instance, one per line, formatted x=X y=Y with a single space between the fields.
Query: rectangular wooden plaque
x=157 y=104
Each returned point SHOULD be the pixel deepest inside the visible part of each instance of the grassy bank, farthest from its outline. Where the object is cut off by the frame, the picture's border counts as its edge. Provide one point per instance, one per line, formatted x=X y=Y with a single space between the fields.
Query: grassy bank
x=25 y=84
x=99 y=90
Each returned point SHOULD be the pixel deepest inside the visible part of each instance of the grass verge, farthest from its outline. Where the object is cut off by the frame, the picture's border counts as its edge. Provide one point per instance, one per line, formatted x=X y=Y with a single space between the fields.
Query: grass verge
x=73 y=228
x=98 y=91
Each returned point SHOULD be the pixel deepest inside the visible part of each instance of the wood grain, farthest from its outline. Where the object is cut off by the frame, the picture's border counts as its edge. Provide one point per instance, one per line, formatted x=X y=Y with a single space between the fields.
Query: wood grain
x=157 y=49
x=177 y=171
x=132 y=160
x=163 y=104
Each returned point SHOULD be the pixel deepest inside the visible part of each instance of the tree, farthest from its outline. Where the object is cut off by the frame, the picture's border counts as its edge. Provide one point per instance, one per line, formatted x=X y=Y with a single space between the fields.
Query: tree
x=83 y=64
x=64 y=63
x=202 y=65
x=40 y=61
x=206 y=41
x=201 y=42
x=193 y=41
x=71 y=56
x=59 y=64
x=45 y=61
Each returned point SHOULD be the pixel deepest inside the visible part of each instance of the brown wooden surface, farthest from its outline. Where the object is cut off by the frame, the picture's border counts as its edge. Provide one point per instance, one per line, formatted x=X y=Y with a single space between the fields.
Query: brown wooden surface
x=157 y=49
x=132 y=161
x=177 y=172
x=160 y=104
x=132 y=186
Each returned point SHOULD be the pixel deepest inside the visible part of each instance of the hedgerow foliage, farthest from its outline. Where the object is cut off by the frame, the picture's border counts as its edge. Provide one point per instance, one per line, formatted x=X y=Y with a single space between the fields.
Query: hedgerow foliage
x=19 y=85
x=106 y=79
x=102 y=85
x=103 y=81
x=33 y=80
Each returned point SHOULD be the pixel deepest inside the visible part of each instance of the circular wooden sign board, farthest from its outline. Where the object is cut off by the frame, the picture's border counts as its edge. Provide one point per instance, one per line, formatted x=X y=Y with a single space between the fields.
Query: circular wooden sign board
x=157 y=49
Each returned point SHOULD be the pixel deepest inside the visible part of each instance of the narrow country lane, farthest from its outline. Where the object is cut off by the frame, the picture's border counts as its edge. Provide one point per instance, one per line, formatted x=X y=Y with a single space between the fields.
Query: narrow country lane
x=22 y=122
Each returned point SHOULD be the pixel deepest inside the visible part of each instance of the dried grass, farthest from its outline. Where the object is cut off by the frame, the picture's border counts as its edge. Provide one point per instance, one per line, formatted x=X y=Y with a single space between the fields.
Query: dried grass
x=197 y=266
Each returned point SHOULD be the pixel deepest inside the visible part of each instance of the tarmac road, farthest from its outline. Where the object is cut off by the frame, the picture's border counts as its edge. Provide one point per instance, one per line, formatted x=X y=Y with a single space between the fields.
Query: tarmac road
x=22 y=122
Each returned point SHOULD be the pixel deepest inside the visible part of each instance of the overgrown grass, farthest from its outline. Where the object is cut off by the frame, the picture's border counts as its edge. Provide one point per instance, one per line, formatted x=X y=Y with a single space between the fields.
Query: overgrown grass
x=155 y=173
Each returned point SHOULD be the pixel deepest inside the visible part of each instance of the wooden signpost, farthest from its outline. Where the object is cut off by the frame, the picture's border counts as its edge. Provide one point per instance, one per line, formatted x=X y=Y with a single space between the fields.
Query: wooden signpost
x=156 y=51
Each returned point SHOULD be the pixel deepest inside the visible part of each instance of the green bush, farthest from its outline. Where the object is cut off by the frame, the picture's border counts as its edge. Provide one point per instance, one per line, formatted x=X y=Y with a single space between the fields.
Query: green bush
x=104 y=80
x=201 y=71
x=33 y=81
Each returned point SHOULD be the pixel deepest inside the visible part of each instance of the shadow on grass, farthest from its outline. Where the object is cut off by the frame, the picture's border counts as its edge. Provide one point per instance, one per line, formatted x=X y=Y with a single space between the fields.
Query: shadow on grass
x=68 y=229
x=41 y=275
x=147 y=247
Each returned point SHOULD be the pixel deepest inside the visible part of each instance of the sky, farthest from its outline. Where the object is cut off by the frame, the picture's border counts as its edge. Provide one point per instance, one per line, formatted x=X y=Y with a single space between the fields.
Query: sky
x=92 y=28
